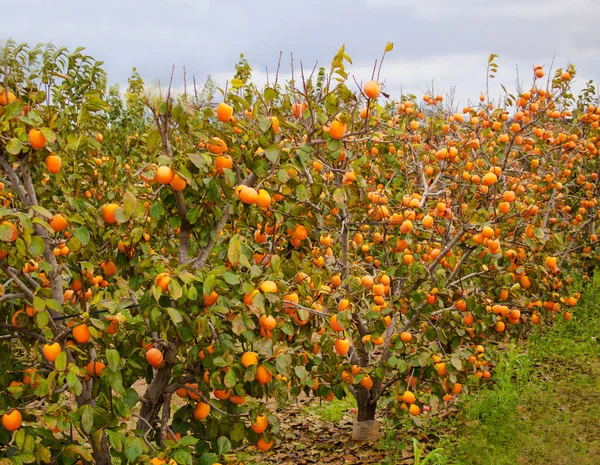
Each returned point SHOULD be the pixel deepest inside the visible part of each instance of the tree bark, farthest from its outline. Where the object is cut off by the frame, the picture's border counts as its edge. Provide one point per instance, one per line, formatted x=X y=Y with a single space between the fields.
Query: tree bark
x=100 y=451
x=154 y=397
x=366 y=407
x=366 y=428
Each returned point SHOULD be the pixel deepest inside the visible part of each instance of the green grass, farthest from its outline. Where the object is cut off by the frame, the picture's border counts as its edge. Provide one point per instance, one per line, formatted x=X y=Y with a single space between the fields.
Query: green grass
x=544 y=406
x=332 y=411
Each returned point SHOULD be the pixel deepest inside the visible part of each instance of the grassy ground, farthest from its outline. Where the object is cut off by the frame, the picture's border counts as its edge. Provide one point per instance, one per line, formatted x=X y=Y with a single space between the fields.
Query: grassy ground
x=544 y=407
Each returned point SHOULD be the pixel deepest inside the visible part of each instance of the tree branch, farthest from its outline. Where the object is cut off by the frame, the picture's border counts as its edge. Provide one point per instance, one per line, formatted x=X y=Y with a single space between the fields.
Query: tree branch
x=205 y=251
x=30 y=295
x=24 y=331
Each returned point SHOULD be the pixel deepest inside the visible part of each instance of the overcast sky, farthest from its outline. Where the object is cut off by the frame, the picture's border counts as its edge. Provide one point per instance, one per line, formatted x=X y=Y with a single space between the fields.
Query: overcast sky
x=446 y=42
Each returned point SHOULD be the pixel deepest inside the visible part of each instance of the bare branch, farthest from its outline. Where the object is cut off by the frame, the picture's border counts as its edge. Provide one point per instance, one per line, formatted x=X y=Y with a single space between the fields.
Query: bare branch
x=200 y=260
x=24 y=331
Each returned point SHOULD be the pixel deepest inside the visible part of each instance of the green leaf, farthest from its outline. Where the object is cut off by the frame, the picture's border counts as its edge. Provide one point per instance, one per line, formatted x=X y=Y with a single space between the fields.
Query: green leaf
x=175 y=315
x=272 y=154
x=80 y=451
x=14 y=146
x=192 y=293
x=238 y=432
x=36 y=248
x=270 y=94
x=302 y=193
x=402 y=366
x=49 y=135
x=42 y=211
x=61 y=361
x=237 y=325
x=456 y=363
x=26 y=457
x=87 y=418
x=114 y=360
x=133 y=448
x=13 y=110
x=209 y=284
x=198 y=160
x=115 y=440
x=339 y=195
x=53 y=305
x=220 y=362
x=6 y=232
x=83 y=235
x=183 y=457
x=283 y=363
x=152 y=141
x=175 y=289
x=129 y=203
x=207 y=459
x=538 y=233
x=234 y=250
x=74 y=244
x=423 y=359
x=265 y=123
x=74 y=383
x=121 y=215
x=42 y=454
x=38 y=303
x=20 y=439
x=223 y=445
x=156 y=210
x=275 y=263
x=231 y=278
x=231 y=378
x=187 y=441
x=42 y=319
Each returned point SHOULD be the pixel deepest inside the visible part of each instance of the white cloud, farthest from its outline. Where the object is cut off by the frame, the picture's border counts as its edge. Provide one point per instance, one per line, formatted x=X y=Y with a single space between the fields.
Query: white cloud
x=531 y=10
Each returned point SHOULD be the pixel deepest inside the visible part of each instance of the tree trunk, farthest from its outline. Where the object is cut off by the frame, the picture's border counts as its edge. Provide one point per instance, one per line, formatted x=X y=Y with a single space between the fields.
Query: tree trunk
x=155 y=393
x=100 y=451
x=366 y=428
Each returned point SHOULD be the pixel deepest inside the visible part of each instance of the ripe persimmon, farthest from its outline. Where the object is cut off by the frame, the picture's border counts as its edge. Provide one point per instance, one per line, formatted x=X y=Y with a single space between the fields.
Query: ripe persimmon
x=263 y=375
x=224 y=112
x=58 y=223
x=6 y=97
x=51 y=351
x=342 y=346
x=81 y=333
x=154 y=357
x=248 y=195
x=263 y=445
x=372 y=89
x=337 y=130
x=249 y=358
x=108 y=213
x=53 y=163
x=260 y=425
x=164 y=174
x=178 y=183
x=12 y=421
x=223 y=162
x=37 y=139
x=201 y=411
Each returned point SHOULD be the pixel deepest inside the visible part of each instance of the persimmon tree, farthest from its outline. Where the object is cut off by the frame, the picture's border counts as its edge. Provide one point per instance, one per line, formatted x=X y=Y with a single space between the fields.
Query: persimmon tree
x=170 y=265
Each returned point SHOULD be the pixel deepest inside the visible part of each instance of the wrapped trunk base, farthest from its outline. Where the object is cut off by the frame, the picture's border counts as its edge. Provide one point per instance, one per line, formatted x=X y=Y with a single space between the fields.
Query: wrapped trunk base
x=367 y=431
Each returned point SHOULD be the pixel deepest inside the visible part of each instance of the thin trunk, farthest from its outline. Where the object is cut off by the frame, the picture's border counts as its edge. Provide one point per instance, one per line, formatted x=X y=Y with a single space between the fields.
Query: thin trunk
x=154 y=397
x=366 y=428
x=366 y=408
x=100 y=451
